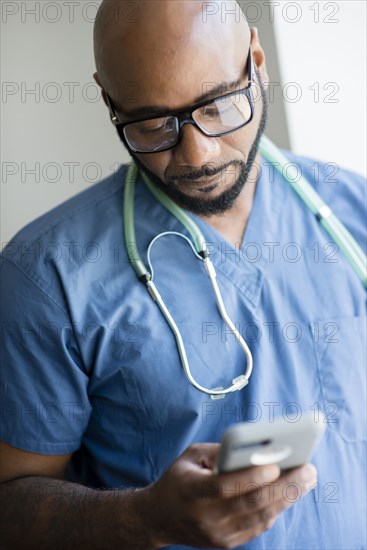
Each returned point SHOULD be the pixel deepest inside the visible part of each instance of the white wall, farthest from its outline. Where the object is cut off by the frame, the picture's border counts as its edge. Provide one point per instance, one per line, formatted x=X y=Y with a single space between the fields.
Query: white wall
x=62 y=123
x=326 y=50
x=59 y=124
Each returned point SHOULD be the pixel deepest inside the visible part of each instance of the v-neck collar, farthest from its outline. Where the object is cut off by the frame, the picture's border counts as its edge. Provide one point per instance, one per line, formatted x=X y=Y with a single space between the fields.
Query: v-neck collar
x=246 y=268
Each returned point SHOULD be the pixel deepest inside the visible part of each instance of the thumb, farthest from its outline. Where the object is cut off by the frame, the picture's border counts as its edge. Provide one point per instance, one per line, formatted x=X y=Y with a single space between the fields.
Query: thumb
x=203 y=455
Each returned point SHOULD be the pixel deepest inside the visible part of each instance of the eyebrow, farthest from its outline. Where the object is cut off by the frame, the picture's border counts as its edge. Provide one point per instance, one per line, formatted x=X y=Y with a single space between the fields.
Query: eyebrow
x=220 y=89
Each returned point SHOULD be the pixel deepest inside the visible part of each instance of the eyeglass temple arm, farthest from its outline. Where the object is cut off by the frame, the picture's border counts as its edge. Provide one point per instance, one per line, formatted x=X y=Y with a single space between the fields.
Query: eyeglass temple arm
x=111 y=108
x=250 y=68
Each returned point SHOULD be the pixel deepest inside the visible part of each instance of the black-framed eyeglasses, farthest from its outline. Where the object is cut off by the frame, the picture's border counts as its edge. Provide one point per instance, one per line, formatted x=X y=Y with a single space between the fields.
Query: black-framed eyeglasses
x=215 y=117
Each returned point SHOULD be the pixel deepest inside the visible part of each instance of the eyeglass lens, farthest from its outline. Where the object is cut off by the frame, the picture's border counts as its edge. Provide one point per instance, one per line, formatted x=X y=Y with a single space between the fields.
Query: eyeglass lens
x=222 y=115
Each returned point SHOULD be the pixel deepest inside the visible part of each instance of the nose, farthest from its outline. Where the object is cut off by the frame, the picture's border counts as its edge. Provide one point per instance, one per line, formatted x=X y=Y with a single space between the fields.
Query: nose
x=195 y=148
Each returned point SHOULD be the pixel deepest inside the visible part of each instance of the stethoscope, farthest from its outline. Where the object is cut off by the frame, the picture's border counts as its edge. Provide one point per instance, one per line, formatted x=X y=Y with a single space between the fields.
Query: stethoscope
x=323 y=213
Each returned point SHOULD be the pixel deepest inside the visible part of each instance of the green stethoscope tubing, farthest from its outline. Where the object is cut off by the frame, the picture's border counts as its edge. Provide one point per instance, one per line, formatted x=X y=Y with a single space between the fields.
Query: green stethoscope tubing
x=330 y=222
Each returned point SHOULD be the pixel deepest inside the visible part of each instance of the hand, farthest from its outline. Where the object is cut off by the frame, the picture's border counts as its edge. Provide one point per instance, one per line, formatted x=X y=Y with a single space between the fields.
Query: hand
x=191 y=505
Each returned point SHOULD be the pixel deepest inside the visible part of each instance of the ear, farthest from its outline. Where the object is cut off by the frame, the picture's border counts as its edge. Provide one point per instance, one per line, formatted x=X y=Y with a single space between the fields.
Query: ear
x=259 y=56
x=103 y=93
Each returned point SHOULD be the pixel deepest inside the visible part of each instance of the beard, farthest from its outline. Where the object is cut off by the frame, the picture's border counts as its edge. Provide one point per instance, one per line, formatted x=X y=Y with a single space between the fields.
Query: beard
x=227 y=198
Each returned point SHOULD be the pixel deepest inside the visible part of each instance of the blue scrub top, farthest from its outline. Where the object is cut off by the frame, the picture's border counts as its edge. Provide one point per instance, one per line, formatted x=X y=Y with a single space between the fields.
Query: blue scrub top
x=90 y=365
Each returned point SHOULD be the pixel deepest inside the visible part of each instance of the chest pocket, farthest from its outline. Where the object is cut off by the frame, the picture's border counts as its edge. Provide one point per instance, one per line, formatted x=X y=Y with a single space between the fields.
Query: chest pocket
x=340 y=346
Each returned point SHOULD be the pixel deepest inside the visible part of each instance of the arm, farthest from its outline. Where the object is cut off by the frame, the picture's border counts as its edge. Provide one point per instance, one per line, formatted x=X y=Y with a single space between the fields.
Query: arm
x=39 y=510
x=189 y=505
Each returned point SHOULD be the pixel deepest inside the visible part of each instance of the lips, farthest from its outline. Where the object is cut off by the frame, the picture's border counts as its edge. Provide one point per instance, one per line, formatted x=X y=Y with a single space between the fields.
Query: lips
x=204 y=183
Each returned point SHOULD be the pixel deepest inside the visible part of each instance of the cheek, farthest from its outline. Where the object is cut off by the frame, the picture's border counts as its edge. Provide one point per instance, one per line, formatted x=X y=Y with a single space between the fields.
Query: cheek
x=239 y=143
x=156 y=163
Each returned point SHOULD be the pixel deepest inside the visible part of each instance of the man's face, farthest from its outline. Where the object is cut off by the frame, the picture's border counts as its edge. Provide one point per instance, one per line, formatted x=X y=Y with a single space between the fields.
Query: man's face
x=169 y=67
x=213 y=189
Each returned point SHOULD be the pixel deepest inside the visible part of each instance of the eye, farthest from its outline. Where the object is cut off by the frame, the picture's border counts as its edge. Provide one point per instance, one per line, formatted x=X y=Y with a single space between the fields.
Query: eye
x=150 y=126
x=149 y=130
x=217 y=109
x=210 y=111
x=156 y=125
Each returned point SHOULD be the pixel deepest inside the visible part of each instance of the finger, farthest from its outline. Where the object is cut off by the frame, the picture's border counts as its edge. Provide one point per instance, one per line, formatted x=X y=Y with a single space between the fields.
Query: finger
x=246 y=480
x=304 y=472
x=249 y=529
x=202 y=454
x=233 y=484
x=288 y=488
x=224 y=491
x=241 y=529
x=258 y=506
x=252 y=498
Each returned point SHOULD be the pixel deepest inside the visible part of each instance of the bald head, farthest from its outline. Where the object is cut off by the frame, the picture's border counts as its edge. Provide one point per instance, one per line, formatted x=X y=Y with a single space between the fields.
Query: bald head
x=160 y=50
x=158 y=56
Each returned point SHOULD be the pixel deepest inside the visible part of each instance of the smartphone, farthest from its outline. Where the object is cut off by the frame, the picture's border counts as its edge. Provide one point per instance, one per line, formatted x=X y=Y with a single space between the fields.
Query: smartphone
x=288 y=444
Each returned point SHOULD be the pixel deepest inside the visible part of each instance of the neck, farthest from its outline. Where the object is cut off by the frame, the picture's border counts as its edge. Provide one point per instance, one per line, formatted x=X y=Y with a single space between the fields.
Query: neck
x=232 y=224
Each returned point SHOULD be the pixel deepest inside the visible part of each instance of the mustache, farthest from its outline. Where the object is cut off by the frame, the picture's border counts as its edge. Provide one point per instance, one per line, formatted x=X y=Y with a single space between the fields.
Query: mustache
x=206 y=171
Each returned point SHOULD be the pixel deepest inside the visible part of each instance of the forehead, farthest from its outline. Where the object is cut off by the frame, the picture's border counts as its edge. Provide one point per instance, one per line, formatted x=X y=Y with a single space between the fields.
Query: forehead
x=173 y=60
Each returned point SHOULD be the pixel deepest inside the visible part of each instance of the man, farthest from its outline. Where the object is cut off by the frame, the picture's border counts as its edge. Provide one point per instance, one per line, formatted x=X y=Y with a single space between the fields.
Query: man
x=95 y=396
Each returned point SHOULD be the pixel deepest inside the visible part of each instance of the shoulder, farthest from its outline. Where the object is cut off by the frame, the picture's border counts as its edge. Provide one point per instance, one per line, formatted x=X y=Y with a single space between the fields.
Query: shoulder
x=344 y=191
x=60 y=240
x=331 y=180
x=76 y=210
